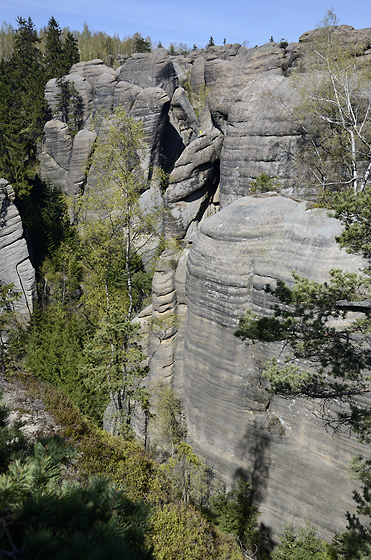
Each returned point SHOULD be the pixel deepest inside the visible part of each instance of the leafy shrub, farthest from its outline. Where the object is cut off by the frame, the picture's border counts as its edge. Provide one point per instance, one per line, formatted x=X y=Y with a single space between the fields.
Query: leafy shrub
x=181 y=533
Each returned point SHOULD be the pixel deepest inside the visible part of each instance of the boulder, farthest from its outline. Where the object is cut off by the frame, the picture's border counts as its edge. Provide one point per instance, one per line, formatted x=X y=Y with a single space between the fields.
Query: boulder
x=125 y=95
x=55 y=154
x=63 y=157
x=163 y=319
x=193 y=183
x=92 y=71
x=104 y=88
x=183 y=117
x=151 y=107
x=82 y=147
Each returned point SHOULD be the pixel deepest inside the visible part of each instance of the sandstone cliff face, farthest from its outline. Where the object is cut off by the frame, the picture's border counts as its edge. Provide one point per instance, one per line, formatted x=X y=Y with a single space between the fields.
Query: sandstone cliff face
x=296 y=466
x=197 y=151
x=15 y=265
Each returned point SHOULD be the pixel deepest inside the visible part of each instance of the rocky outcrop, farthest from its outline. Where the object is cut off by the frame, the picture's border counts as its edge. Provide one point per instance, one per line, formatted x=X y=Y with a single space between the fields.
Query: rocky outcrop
x=215 y=120
x=191 y=148
x=246 y=124
x=194 y=181
x=296 y=466
x=15 y=265
x=63 y=157
x=261 y=138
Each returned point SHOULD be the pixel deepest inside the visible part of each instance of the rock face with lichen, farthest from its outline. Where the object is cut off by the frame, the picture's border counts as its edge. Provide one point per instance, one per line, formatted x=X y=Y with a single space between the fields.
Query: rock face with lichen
x=15 y=264
x=215 y=120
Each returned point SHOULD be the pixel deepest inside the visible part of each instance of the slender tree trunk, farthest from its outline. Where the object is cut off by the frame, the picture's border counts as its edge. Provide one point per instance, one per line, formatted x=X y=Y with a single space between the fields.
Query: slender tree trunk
x=2 y=346
x=354 y=161
x=127 y=263
x=366 y=175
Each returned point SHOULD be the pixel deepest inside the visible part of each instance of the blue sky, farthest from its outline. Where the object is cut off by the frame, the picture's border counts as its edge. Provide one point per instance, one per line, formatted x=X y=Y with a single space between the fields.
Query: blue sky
x=191 y=21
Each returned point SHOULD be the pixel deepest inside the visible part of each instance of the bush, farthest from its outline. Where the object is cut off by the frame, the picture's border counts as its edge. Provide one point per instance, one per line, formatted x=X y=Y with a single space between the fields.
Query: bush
x=180 y=533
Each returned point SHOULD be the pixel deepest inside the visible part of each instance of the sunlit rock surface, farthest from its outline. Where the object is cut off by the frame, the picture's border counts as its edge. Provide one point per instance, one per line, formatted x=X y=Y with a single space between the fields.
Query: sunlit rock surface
x=297 y=466
x=15 y=264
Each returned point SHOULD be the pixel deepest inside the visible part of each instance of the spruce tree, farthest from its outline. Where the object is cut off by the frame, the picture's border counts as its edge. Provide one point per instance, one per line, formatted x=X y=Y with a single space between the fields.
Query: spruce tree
x=23 y=109
x=54 y=56
x=71 y=53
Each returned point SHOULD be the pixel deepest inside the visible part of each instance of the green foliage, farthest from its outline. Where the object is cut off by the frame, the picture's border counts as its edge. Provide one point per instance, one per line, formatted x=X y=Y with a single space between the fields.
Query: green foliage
x=43 y=517
x=141 y=45
x=54 y=50
x=265 y=329
x=355 y=543
x=340 y=358
x=114 y=367
x=123 y=461
x=354 y=210
x=178 y=49
x=211 y=42
x=59 y=56
x=6 y=40
x=23 y=109
x=114 y=229
x=111 y=49
x=70 y=106
x=54 y=352
x=24 y=72
x=301 y=544
x=8 y=321
x=44 y=214
x=325 y=333
x=188 y=473
x=13 y=443
x=236 y=514
x=58 y=512
x=198 y=98
x=71 y=52
x=180 y=533
x=169 y=420
x=264 y=183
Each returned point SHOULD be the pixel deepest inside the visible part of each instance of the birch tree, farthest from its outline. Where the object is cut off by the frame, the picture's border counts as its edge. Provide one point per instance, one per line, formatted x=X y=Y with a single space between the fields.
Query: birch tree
x=115 y=232
x=335 y=110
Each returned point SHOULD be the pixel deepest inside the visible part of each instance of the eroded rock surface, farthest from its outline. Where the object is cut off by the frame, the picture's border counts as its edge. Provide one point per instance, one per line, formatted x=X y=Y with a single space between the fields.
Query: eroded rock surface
x=239 y=99
x=15 y=264
x=296 y=466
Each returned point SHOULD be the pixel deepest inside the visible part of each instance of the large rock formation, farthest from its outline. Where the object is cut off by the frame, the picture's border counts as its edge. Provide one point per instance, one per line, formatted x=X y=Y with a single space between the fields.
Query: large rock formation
x=15 y=264
x=296 y=465
x=211 y=154
x=245 y=129
x=192 y=148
